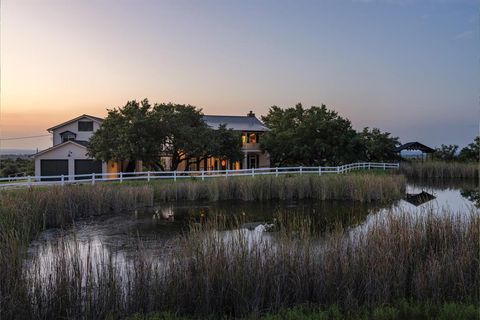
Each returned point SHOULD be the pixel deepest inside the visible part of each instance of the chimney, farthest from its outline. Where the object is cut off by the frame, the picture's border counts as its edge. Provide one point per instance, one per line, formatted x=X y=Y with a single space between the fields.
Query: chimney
x=251 y=114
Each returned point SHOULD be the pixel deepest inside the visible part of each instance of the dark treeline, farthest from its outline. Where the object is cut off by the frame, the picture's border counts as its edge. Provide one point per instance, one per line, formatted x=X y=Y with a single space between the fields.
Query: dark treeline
x=450 y=152
x=12 y=167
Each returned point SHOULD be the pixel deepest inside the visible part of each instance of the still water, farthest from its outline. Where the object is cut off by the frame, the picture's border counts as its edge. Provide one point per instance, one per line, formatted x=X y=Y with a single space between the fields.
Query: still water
x=154 y=231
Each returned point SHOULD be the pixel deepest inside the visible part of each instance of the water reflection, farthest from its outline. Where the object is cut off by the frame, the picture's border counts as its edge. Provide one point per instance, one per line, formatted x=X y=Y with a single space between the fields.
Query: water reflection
x=154 y=231
x=418 y=199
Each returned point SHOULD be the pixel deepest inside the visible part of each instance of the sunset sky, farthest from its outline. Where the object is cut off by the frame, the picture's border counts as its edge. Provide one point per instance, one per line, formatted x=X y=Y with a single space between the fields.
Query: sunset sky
x=408 y=67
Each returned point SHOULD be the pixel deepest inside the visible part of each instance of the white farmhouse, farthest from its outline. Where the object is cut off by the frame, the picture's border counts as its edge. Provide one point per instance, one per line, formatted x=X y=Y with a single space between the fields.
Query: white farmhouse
x=68 y=155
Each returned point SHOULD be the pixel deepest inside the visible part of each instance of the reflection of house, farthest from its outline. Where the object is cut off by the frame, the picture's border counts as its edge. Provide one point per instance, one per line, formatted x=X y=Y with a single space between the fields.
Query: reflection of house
x=418 y=199
x=68 y=155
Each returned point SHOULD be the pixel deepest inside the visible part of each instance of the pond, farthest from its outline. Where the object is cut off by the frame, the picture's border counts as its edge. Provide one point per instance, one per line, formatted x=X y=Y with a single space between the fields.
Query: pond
x=154 y=231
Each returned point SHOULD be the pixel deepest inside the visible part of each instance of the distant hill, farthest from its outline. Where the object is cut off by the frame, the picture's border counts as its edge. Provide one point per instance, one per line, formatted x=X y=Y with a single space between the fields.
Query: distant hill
x=16 y=153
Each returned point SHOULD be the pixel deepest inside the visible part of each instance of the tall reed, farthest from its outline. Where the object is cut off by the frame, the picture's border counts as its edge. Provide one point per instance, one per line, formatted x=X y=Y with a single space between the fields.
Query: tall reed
x=440 y=170
x=357 y=187
x=433 y=258
x=24 y=213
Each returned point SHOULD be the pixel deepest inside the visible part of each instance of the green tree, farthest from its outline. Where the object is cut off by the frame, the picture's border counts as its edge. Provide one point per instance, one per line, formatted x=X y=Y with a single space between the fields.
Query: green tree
x=226 y=144
x=446 y=152
x=10 y=169
x=187 y=135
x=139 y=131
x=129 y=133
x=310 y=137
x=378 y=146
x=471 y=152
x=221 y=143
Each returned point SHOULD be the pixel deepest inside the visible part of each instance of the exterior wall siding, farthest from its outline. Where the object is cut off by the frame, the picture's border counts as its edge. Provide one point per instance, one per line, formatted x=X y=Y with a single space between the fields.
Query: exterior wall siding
x=68 y=152
x=73 y=127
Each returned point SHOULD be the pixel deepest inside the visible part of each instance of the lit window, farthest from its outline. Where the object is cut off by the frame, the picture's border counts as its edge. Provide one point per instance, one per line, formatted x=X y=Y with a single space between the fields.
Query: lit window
x=244 y=138
x=252 y=138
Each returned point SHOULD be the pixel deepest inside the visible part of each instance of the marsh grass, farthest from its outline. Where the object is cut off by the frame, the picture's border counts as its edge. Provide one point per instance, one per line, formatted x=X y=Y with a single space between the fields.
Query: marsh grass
x=24 y=213
x=355 y=187
x=208 y=276
x=428 y=259
x=440 y=170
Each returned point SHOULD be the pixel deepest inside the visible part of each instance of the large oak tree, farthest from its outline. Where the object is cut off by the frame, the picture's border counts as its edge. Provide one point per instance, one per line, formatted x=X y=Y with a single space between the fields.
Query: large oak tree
x=318 y=136
x=139 y=131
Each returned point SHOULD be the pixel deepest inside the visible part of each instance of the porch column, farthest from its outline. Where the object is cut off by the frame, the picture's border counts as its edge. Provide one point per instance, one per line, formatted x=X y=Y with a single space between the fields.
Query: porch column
x=245 y=160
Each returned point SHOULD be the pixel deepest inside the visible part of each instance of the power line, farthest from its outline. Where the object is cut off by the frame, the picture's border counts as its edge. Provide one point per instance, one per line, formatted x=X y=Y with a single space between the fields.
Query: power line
x=28 y=137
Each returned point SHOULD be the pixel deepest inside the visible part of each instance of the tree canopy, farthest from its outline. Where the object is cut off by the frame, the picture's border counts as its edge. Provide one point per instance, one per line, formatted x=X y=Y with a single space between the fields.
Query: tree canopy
x=446 y=152
x=377 y=145
x=471 y=152
x=140 y=131
x=319 y=136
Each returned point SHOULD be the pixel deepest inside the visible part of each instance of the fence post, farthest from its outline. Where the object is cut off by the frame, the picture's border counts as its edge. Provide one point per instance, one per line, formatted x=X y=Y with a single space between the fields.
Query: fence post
x=253 y=172
x=29 y=181
x=175 y=175
x=63 y=180
x=369 y=166
x=148 y=176
x=301 y=170
x=121 y=176
x=338 y=169
x=226 y=173
x=384 y=166
x=276 y=171
x=93 y=178
x=203 y=174
x=319 y=171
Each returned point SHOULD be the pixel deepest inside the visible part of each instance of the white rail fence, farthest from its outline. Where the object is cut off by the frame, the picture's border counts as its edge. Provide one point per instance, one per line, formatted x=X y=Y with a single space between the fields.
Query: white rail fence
x=178 y=175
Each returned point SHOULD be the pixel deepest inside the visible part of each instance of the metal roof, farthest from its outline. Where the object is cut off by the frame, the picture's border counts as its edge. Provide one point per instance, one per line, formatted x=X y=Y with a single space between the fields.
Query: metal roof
x=415 y=146
x=237 y=123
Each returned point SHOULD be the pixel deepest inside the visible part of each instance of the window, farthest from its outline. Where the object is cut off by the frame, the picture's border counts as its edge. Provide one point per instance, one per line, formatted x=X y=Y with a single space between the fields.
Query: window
x=67 y=136
x=252 y=138
x=85 y=125
x=244 y=138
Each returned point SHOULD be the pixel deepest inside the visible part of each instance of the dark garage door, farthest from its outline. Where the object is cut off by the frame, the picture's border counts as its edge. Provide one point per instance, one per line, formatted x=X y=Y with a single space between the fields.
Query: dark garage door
x=53 y=168
x=87 y=167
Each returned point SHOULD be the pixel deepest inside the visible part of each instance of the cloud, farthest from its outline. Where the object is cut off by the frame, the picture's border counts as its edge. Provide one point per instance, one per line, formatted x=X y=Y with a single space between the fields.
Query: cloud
x=465 y=35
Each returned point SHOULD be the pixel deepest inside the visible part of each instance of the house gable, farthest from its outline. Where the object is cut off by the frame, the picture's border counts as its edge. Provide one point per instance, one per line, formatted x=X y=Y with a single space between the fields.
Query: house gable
x=79 y=118
x=76 y=146
x=82 y=127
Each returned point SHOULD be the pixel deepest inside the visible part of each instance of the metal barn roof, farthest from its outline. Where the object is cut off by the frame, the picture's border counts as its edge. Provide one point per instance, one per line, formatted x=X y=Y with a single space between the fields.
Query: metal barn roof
x=237 y=123
x=415 y=146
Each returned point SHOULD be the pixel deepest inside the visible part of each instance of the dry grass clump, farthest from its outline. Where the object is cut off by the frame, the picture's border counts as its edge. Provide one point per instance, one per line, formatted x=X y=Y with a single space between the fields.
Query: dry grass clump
x=440 y=170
